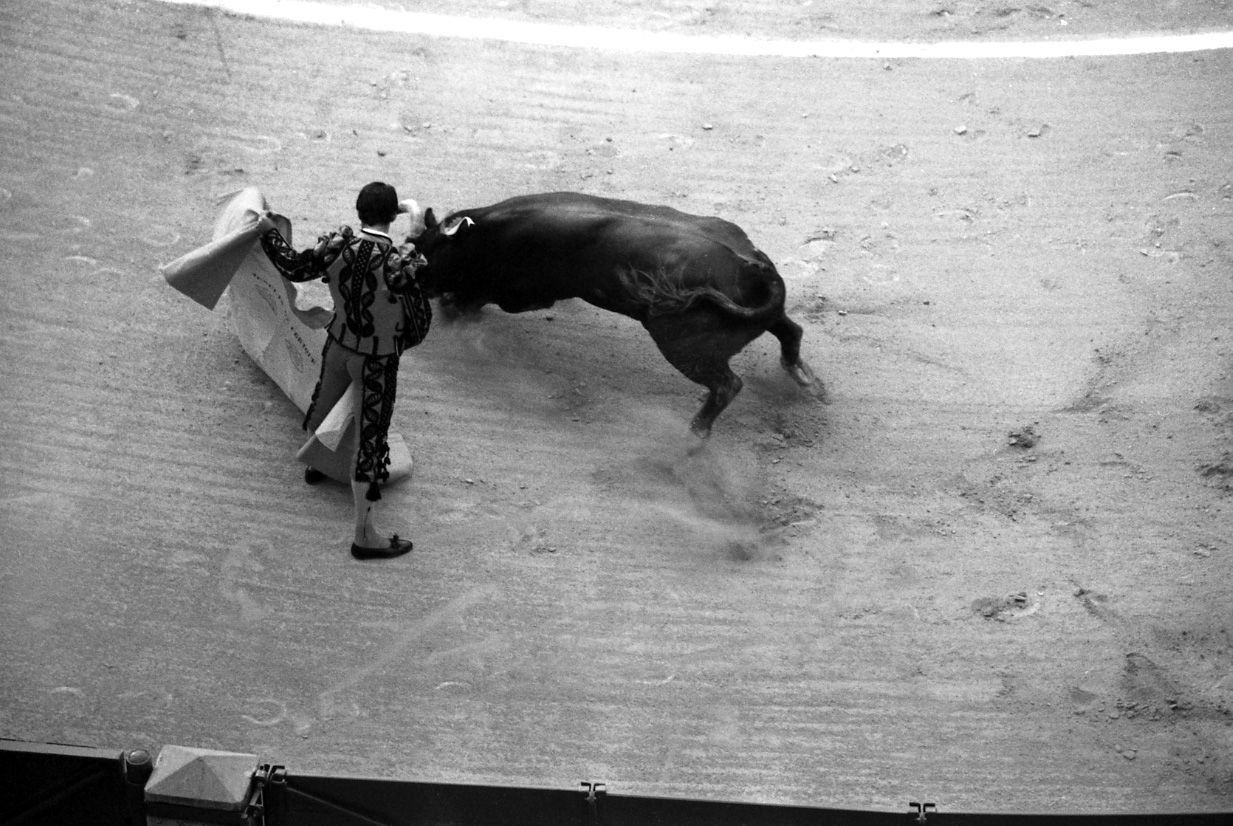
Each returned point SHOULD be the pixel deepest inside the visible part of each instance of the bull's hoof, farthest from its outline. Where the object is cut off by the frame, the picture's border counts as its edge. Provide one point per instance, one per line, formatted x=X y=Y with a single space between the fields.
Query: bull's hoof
x=701 y=432
x=818 y=391
x=800 y=372
x=803 y=375
x=698 y=444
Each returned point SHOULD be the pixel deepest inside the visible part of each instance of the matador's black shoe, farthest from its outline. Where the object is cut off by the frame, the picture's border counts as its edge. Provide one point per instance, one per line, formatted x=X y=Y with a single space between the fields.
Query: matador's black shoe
x=397 y=547
x=313 y=476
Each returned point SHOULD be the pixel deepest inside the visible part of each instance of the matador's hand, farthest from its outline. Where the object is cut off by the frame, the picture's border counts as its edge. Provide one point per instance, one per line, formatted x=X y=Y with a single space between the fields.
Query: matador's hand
x=265 y=223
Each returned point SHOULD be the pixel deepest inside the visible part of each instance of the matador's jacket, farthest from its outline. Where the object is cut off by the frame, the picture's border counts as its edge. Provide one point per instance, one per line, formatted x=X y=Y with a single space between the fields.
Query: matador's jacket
x=379 y=311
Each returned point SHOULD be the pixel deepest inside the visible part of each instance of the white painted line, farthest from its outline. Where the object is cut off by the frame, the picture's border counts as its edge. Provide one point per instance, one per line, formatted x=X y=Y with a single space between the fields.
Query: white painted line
x=370 y=18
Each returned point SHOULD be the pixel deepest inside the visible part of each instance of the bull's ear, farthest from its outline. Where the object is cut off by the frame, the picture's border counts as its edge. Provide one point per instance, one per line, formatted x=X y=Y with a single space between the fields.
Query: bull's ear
x=455 y=223
x=430 y=219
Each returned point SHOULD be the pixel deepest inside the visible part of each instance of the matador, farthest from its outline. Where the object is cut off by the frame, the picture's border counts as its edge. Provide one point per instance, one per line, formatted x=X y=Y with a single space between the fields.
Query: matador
x=379 y=311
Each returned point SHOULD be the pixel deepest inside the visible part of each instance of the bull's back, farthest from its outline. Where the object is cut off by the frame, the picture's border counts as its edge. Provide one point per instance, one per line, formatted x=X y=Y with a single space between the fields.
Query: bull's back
x=572 y=214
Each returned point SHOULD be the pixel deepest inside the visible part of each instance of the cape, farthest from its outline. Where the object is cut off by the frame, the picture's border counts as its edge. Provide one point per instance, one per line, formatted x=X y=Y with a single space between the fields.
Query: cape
x=280 y=326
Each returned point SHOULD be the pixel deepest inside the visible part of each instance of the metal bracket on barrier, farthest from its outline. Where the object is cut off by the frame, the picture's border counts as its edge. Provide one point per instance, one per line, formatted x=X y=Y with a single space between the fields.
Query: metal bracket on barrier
x=922 y=809
x=593 y=816
x=261 y=796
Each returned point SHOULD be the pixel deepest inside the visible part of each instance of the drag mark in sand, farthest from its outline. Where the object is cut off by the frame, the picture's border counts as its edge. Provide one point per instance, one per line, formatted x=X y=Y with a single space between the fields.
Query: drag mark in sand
x=240 y=559
x=407 y=637
x=222 y=53
x=277 y=715
x=399 y=21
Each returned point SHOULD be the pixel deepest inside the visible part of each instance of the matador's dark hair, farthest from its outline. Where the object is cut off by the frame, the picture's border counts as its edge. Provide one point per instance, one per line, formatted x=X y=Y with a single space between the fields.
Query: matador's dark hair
x=377 y=203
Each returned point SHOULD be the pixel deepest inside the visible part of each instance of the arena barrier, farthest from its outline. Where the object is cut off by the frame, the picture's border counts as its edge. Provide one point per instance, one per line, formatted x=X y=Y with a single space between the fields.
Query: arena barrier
x=52 y=784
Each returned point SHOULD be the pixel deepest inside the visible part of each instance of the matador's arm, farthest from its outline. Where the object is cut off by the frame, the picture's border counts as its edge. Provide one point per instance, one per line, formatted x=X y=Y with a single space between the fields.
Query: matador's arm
x=308 y=264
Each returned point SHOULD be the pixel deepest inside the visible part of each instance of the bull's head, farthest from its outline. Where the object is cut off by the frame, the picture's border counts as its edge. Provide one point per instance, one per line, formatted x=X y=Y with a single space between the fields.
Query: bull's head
x=441 y=243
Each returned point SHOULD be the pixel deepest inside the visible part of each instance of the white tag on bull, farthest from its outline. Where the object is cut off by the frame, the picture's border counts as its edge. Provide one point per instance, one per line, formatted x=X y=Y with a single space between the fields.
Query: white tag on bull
x=452 y=225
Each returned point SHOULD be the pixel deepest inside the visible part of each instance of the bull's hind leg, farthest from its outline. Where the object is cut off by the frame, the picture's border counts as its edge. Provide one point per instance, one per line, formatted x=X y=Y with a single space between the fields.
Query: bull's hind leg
x=789 y=334
x=723 y=385
x=694 y=345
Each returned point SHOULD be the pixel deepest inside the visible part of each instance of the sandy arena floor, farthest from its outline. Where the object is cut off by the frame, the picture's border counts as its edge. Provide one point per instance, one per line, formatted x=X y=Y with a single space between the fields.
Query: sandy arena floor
x=994 y=572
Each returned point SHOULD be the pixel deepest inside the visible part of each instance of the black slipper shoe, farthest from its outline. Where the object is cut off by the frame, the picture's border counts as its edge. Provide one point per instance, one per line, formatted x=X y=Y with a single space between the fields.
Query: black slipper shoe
x=313 y=476
x=397 y=547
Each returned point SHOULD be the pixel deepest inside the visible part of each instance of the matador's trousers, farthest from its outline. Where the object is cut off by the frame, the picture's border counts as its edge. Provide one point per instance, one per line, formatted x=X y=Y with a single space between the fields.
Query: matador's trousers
x=378 y=381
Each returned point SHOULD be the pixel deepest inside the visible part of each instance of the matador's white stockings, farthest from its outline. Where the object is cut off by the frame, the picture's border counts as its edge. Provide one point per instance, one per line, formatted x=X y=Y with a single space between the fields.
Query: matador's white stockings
x=365 y=534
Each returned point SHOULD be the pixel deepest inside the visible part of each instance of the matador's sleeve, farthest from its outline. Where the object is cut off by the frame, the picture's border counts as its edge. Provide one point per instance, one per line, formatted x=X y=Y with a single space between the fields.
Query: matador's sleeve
x=308 y=264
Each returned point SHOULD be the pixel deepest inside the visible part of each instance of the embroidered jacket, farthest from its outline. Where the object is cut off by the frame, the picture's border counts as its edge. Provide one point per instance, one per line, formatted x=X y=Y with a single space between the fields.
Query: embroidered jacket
x=379 y=308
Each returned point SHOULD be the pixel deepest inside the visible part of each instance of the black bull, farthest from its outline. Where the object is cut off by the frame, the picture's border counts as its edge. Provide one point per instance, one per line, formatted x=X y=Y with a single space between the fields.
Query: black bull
x=698 y=285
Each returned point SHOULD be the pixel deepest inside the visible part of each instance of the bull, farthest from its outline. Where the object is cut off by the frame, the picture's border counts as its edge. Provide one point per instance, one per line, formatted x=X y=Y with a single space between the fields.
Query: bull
x=697 y=284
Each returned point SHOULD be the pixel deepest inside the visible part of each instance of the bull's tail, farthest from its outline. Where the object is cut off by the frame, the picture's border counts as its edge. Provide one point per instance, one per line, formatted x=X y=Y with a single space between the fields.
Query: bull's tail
x=661 y=292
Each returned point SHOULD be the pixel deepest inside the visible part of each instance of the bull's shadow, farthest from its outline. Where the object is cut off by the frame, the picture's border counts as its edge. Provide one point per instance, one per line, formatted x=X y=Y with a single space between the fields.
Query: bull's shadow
x=576 y=364
x=571 y=362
